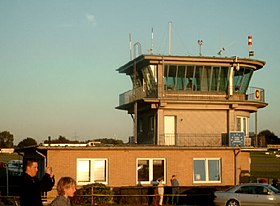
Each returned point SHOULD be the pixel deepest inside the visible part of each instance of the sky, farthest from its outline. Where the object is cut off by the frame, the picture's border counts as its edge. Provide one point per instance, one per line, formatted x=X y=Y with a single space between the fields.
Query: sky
x=58 y=59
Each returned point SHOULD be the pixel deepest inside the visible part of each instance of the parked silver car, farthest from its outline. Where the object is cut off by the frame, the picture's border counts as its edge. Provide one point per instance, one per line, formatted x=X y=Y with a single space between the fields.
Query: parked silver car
x=248 y=194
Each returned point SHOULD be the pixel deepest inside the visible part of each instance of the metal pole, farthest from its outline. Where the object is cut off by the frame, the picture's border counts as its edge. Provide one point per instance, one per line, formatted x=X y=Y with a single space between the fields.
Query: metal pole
x=92 y=195
x=130 y=45
x=256 y=129
x=135 y=123
x=170 y=38
x=7 y=177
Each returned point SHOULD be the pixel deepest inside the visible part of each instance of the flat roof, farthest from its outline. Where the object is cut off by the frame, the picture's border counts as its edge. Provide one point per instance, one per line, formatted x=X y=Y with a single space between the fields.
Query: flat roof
x=146 y=147
x=157 y=59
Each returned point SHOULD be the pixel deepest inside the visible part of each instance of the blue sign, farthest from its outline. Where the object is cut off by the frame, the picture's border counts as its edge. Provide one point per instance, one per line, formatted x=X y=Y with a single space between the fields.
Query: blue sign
x=236 y=139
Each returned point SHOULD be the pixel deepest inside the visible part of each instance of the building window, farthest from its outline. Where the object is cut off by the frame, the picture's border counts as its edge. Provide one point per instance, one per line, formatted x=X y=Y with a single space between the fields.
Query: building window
x=92 y=171
x=242 y=125
x=199 y=78
x=242 y=79
x=150 y=170
x=207 y=170
x=151 y=123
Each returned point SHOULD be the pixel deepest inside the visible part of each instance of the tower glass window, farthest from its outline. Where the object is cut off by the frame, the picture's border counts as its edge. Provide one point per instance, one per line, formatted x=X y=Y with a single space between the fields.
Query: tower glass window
x=197 y=78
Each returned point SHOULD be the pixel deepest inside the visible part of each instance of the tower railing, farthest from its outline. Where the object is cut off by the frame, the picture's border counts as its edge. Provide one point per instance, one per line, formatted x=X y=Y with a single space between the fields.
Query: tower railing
x=254 y=94
x=197 y=139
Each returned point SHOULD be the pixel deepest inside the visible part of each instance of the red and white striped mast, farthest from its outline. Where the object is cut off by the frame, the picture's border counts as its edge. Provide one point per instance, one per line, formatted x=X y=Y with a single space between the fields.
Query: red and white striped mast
x=250 y=46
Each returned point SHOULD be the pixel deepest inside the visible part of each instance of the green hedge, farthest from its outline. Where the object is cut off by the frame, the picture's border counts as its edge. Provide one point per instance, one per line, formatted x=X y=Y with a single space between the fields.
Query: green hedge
x=101 y=194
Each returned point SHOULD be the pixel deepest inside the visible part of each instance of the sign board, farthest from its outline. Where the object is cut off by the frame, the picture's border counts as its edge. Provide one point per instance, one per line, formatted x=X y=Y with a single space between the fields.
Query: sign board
x=236 y=139
x=258 y=94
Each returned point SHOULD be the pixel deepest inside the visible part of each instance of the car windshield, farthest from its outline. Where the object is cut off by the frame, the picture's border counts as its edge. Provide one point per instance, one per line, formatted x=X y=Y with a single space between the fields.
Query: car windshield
x=275 y=190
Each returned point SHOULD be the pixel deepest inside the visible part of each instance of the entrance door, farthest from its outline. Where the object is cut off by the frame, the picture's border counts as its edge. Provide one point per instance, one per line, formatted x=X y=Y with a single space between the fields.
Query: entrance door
x=169 y=130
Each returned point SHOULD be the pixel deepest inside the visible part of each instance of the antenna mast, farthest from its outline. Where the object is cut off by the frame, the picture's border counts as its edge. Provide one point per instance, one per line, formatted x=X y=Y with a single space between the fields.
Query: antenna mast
x=152 y=42
x=170 y=37
x=130 y=45
x=250 y=46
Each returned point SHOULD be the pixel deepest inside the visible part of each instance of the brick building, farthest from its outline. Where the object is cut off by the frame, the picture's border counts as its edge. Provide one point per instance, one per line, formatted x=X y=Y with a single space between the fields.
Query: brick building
x=191 y=118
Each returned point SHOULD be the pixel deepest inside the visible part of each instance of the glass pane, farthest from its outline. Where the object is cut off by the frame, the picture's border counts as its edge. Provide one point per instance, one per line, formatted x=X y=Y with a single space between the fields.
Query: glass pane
x=214 y=170
x=83 y=171
x=223 y=79
x=158 y=169
x=205 y=78
x=181 y=78
x=215 y=83
x=245 y=125
x=246 y=79
x=143 y=170
x=151 y=123
x=148 y=77
x=238 y=76
x=197 y=78
x=189 y=78
x=238 y=126
x=99 y=170
x=199 y=170
x=170 y=76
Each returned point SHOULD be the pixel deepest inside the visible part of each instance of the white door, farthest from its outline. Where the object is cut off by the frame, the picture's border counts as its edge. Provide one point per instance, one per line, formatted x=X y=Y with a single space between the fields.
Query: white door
x=169 y=130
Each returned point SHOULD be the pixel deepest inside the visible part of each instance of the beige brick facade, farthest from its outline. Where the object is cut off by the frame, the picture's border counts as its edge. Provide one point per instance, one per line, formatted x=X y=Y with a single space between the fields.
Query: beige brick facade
x=122 y=162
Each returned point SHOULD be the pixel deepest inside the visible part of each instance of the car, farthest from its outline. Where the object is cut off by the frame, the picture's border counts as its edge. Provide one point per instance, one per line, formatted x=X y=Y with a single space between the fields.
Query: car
x=248 y=194
x=15 y=167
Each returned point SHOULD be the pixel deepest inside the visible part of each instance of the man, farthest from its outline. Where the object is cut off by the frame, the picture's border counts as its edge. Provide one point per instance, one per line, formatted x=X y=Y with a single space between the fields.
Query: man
x=31 y=187
x=175 y=190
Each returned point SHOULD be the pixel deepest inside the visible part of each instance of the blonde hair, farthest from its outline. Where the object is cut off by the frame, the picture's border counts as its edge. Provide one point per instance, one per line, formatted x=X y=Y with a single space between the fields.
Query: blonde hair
x=64 y=183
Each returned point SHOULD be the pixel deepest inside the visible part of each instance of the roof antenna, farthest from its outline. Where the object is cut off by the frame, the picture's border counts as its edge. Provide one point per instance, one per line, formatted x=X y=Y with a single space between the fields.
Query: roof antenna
x=170 y=38
x=130 y=45
x=152 y=42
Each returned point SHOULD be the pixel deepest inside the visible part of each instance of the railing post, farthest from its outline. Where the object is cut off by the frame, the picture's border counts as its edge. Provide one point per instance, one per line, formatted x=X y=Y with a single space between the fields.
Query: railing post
x=92 y=195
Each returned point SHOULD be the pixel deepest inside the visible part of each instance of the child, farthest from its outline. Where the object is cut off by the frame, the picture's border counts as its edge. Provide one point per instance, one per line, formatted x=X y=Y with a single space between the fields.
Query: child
x=66 y=187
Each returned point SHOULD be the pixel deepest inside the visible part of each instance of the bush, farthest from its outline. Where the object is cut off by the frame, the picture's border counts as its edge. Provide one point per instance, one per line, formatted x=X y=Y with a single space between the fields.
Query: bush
x=101 y=194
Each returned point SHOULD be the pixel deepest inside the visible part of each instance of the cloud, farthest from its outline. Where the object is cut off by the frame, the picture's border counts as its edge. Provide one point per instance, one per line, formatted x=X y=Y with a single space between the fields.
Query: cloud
x=91 y=19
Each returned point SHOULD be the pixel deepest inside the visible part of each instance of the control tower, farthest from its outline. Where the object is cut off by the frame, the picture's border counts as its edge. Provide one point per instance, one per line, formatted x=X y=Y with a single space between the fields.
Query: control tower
x=191 y=100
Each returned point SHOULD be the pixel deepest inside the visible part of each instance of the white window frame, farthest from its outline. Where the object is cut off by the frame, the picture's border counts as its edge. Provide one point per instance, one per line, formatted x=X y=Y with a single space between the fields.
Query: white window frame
x=91 y=171
x=243 y=128
x=207 y=170
x=150 y=170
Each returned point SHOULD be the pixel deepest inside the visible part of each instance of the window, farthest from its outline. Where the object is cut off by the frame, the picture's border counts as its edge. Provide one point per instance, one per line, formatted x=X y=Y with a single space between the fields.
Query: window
x=242 y=125
x=91 y=171
x=151 y=123
x=203 y=78
x=150 y=170
x=242 y=79
x=207 y=170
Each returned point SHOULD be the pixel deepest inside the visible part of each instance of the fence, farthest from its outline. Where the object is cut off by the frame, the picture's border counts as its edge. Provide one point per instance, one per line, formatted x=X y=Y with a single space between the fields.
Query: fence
x=134 y=196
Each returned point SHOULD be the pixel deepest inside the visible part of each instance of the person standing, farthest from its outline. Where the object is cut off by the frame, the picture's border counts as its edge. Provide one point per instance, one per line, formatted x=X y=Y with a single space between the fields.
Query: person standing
x=31 y=186
x=66 y=187
x=160 y=190
x=175 y=190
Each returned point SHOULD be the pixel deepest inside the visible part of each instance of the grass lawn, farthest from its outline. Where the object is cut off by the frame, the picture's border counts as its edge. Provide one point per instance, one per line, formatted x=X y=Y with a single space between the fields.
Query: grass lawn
x=265 y=165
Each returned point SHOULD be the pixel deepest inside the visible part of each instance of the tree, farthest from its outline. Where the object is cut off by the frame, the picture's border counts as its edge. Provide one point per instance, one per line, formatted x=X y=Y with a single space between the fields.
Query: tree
x=6 y=140
x=109 y=141
x=266 y=137
x=60 y=139
x=27 y=142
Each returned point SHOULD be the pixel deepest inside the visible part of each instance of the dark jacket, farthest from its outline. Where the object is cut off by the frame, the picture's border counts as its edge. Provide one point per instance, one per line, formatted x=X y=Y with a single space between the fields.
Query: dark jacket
x=31 y=189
